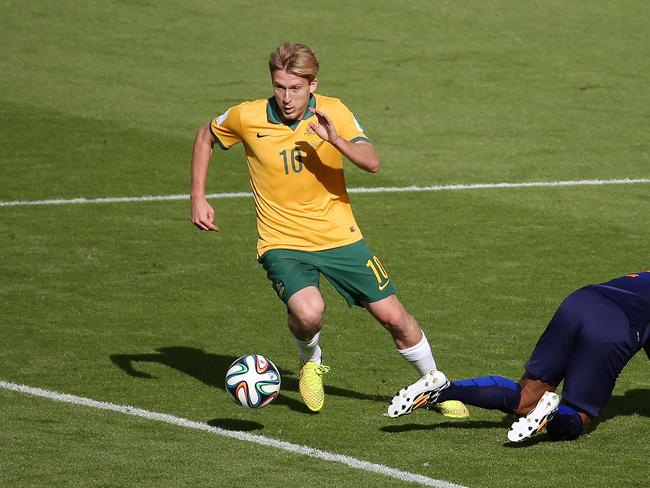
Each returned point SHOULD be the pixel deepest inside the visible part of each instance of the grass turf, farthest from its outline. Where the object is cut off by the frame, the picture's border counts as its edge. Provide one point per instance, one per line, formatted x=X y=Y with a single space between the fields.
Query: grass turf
x=127 y=303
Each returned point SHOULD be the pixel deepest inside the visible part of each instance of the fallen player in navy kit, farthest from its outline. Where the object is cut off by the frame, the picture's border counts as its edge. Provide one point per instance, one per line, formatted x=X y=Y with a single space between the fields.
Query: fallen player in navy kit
x=592 y=336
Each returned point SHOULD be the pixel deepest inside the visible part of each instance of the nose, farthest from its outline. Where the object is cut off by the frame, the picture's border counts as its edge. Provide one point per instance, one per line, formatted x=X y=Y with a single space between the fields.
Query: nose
x=286 y=96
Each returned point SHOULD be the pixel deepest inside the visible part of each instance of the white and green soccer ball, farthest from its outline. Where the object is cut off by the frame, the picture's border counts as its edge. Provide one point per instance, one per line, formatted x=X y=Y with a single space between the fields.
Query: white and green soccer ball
x=253 y=381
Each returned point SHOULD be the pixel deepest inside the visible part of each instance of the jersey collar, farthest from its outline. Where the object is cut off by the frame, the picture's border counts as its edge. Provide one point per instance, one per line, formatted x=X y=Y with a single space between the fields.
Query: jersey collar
x=274 y=118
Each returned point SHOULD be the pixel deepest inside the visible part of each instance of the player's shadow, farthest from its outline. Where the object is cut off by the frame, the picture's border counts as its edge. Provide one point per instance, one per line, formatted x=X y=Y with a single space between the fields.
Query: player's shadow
x=211 y=369
x=453 y=424
x=632 y=402
x=327 y=175
x=503 y=424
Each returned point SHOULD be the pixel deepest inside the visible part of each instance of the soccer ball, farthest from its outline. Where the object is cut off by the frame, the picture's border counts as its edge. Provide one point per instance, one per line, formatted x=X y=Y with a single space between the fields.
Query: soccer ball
x=253 y=381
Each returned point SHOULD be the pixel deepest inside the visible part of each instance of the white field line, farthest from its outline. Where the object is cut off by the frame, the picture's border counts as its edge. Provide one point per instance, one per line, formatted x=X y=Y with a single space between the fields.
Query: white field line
x=380 y=189
x=233 y=434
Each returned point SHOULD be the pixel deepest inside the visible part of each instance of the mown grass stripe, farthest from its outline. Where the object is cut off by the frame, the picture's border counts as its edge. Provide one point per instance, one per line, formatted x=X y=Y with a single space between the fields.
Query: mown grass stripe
x=233 y=434
x=379 y=189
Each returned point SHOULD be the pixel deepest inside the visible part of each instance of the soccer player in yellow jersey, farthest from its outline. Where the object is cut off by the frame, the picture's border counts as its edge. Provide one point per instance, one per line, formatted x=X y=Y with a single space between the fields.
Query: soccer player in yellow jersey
x=294 y=142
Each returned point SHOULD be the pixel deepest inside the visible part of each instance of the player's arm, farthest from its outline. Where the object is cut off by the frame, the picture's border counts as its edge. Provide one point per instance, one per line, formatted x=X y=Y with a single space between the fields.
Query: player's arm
x=361 y=153
x=202 y=211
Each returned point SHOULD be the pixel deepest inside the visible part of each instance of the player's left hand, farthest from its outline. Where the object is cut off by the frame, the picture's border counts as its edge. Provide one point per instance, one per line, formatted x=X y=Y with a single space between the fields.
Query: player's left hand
x=324 y=127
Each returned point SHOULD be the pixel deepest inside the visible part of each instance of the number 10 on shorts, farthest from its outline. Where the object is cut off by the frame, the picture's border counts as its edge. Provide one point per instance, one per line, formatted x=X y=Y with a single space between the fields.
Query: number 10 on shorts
x=377 y=269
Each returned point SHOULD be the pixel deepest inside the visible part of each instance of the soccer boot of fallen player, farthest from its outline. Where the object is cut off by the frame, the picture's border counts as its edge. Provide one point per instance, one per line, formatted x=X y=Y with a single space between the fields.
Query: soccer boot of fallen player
x=311 y=385
x=536 y=420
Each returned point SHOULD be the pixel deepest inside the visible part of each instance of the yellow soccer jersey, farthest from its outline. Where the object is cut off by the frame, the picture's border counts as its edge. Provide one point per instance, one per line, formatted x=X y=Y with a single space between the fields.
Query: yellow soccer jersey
x=296 y=177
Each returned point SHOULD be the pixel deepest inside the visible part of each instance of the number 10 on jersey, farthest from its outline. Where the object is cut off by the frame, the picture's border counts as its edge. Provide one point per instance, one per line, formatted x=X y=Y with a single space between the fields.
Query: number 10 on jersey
x=292 y=161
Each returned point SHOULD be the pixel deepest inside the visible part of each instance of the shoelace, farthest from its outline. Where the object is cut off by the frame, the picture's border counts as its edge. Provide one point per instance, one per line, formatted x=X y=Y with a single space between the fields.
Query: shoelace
x=321 y=369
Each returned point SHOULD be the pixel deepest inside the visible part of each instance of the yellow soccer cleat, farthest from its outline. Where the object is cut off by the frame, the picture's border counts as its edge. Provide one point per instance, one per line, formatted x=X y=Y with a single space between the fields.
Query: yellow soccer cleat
x=311 y=385
x=453 y=409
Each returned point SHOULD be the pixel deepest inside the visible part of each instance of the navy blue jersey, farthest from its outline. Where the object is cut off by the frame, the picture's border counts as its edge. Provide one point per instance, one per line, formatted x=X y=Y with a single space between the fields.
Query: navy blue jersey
x=632 y=294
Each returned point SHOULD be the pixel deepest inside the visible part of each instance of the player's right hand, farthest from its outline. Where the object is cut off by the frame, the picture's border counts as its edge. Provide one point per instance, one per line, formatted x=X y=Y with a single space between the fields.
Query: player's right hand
x=203 y=215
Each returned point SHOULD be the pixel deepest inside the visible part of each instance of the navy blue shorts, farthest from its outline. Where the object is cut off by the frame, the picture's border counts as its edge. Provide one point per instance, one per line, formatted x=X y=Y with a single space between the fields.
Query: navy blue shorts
x=587 y=343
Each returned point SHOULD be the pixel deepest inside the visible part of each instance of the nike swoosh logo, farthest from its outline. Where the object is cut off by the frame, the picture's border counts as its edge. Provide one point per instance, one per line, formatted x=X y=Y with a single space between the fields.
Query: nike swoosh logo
x=381 y=287
x=259 y=136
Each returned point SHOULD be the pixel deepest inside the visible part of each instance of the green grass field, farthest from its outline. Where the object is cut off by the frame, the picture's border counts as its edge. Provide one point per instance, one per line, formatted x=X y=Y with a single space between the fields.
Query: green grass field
x=127 y=303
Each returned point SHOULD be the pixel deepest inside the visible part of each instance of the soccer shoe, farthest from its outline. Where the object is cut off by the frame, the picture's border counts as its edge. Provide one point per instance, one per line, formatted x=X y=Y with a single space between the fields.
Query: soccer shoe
x=536 y=420
x=417 y=395
x=452 y=409
x=311 y=385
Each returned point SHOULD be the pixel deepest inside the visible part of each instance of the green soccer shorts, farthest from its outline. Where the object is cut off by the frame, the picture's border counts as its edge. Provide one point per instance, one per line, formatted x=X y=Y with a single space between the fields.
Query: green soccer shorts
x=354 y=271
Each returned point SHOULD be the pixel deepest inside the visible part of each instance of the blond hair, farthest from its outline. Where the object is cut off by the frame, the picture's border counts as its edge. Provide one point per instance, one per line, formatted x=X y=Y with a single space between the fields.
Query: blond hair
x=297 y=59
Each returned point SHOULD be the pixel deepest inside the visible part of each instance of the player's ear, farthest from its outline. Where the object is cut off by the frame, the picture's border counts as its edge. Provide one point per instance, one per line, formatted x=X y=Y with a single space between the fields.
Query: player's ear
x=312 y=86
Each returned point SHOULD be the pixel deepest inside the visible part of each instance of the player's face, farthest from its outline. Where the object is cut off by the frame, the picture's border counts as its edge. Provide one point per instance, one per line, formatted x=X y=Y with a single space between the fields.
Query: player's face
x=291 y=93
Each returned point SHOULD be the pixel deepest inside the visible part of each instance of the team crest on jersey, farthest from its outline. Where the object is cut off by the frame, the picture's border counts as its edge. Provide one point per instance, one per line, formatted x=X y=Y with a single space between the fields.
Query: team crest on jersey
x=279 y=288
x=312 y=138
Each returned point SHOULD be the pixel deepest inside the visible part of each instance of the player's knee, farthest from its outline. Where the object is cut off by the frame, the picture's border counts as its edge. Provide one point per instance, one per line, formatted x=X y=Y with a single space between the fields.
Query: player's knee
x=565 y=427
x=306 y=309
x=309 y=316
x=397 y=329
x=395 y=320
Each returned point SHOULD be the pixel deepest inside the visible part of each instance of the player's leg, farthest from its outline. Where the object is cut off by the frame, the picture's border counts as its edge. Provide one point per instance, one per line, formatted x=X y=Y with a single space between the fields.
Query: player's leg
x=489 y=392
x=493 y=393
x=305 y=309
x=295 y=279
x=408 y=336
x=607 y=342
x=531 y=390
x=305 y=312
x=305 y=318
x=359 y=276
x=548 y=362
x=413 y=345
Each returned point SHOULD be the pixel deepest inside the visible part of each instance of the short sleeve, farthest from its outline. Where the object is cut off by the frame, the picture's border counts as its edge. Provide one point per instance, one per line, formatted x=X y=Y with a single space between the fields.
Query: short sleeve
x=226 y=128
x=349 y=127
